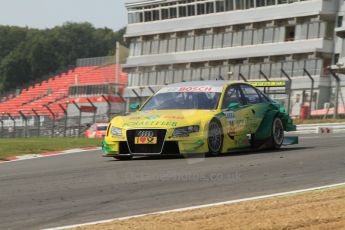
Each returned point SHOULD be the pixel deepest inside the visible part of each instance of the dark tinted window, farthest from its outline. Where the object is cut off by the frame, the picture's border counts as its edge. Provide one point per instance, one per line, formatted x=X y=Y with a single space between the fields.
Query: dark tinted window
x=250 y=94
x=232 y=95
x=102 y=128
x=263 y=96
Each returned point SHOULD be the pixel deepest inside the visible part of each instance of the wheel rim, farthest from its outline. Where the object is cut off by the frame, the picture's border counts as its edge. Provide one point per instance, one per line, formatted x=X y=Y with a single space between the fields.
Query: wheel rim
x=278 y=131
x=215 y=137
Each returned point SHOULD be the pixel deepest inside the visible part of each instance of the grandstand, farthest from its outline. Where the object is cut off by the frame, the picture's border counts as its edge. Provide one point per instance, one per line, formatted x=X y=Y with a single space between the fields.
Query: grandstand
x=67 y=94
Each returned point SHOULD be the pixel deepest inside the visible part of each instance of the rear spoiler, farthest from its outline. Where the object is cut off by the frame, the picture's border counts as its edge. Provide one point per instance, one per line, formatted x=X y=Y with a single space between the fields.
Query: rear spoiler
x=275 y=85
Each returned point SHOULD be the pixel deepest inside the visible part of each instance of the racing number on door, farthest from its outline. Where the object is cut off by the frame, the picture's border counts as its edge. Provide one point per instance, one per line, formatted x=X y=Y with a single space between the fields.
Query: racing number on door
x=233 y=106
x=256 y=107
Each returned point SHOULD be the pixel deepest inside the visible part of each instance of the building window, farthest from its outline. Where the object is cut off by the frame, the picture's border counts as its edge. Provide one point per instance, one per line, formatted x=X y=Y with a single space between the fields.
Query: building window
x=313 y=30
x=268 y=35
x=271 y=2
x=282 y=1
x=237 y=38
x=131 y=18
x=152 y=78
x=260 y=3
x=208 y=43
x=165 y=14
x=336 y=58
x=163 y=46
x=147 y=47
x=190 y=43
x=340 y=21
x=227 y=40
x=220 y=6
x=173 y=12
x=182 y=11
x=229 y=5
x=137 y=51
x=239 y=4
x=178 y=75
x=187 y=75
x=290 y=33
x=161 y=78
x=191 y=10
x=247 y=37
x=154 y=46
x=209 y=7
x=172 y=45
x=218 y=40
x=148 y=16
x=201 y=9
x=181 y=43
x=199 y=42
x=155 y=15
x=249 y=4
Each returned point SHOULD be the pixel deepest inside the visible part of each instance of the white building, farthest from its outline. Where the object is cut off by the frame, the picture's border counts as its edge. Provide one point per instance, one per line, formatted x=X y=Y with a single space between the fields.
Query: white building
x=183 y=40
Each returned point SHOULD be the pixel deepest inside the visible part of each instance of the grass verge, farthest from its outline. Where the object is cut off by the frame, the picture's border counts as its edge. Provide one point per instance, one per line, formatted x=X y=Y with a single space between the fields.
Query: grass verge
x=21 y=146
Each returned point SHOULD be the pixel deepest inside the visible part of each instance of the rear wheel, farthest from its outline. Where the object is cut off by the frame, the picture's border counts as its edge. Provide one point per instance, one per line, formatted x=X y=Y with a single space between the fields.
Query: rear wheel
x=277 y=133
x=215 y=138
x=123 y=158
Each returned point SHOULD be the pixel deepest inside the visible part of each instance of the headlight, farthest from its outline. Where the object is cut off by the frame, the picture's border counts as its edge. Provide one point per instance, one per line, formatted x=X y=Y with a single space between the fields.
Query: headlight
x=185 y=131
x=116 y=131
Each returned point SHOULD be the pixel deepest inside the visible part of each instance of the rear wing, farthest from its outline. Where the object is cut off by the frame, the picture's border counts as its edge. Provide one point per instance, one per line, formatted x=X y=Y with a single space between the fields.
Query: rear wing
x=272 y=87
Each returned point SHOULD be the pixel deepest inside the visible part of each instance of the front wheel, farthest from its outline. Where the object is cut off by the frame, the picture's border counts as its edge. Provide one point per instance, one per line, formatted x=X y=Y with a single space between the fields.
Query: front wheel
x=215 y=138
x=277 y=133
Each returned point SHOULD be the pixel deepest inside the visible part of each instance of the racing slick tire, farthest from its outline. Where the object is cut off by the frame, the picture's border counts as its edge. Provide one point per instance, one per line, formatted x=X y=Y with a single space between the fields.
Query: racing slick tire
x=123 y=158
x=215 y=138
x=277 y=137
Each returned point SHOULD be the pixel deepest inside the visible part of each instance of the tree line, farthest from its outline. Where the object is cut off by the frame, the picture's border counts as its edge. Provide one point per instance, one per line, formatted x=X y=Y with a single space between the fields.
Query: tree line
x=27 y=55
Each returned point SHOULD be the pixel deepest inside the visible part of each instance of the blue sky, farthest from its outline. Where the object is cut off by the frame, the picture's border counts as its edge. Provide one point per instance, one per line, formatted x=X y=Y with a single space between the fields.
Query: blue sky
x=49 y=13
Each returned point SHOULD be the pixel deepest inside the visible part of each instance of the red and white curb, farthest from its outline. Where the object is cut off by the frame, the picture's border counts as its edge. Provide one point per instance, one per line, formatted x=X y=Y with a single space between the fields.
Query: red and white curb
x=47 y=154
x=282 y=194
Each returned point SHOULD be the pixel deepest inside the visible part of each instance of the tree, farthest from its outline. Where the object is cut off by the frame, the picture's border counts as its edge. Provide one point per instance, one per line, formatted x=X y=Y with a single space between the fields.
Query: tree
x=30 y=54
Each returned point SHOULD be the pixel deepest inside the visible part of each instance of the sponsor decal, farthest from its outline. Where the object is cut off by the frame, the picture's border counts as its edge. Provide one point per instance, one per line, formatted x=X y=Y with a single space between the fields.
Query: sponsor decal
x=152 y=117
x=230 y=116
x=151 y=123
x=196 y=89
x=146 y=140
x=172 y=117
x=134 y=118
x=268 y=83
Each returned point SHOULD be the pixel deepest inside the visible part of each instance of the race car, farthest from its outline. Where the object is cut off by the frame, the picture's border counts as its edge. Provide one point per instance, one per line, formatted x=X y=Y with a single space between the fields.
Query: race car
x=211 y=117
x=97 y=130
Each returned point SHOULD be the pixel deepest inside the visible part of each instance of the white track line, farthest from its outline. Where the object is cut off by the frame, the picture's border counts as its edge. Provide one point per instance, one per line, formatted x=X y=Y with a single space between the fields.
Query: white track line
x=46 y=155
x=202 y=206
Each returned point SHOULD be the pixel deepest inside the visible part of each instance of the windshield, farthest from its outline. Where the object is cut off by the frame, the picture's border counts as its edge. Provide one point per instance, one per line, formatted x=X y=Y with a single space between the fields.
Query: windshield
x=183 y=100
x=102 y=128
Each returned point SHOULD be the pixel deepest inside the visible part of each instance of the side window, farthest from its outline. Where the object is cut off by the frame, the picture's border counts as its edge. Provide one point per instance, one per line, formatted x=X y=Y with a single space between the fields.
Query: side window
x=263 y=96
x=232 y=94
x=251 y=95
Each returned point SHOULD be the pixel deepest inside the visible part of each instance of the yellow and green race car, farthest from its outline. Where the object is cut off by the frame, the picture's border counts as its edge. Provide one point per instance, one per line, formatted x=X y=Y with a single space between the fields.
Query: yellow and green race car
x=211 y=117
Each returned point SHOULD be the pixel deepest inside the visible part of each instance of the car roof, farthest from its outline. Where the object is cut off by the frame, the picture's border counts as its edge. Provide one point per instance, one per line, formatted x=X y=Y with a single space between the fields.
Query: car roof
x=102 y=124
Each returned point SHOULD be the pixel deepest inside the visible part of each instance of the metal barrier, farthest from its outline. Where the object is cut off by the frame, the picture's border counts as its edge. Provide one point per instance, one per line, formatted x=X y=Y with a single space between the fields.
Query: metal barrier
x=43 y=126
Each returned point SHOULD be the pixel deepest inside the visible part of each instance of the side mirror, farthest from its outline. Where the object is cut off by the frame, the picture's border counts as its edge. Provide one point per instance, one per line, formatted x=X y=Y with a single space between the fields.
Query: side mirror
x=234 y=105
x=134 y=107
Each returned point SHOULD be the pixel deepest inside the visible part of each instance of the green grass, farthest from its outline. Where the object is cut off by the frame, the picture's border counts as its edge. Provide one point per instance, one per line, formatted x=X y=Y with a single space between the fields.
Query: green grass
x=20 y=146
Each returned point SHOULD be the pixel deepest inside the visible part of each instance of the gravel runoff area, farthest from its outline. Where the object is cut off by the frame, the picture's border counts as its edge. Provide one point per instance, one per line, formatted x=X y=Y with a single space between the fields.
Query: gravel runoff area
x=322 y=209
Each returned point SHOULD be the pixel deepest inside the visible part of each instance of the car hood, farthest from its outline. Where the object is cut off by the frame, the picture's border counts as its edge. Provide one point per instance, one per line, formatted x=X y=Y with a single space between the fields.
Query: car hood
x=162 y=118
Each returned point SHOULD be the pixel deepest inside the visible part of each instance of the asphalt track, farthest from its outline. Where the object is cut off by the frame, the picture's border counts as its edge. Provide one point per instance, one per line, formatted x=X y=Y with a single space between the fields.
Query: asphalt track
x=84 y=187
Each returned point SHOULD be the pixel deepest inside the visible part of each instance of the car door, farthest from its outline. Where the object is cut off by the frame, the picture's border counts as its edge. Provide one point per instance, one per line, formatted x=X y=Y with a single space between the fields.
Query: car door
x=235 y=111
x=256 y=107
